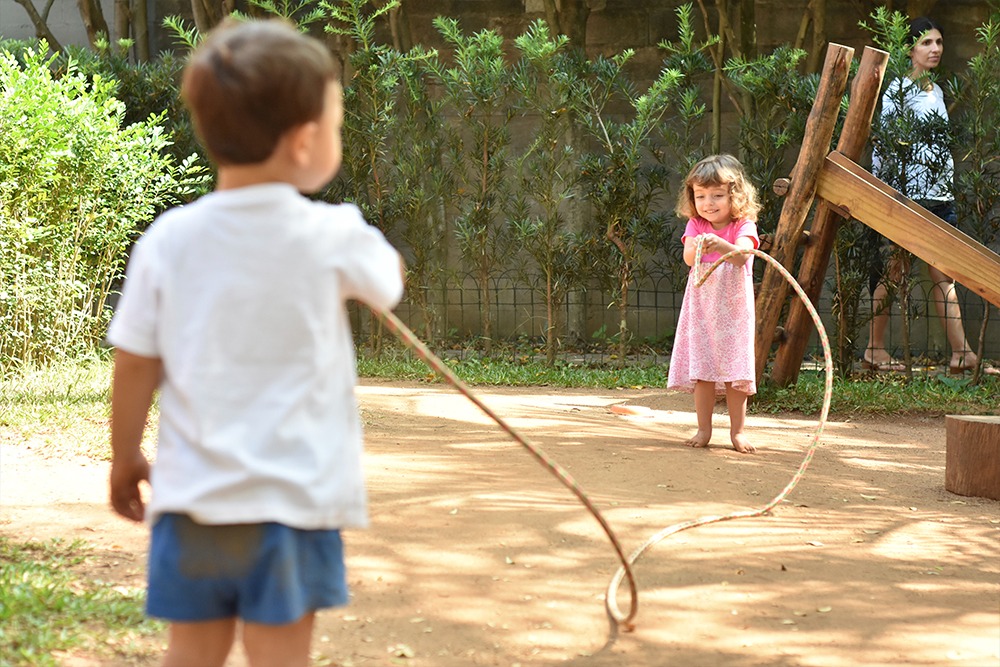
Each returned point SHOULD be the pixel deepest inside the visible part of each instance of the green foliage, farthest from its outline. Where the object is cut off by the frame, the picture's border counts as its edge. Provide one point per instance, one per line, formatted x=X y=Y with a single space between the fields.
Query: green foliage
x=775 y=122
x=147 y=90
x=302 y=13
x=370 y=112
x=549 y=81
x=46 y=607
x=883 y=395
x=977 y=181
x=424 y=183
x=617 y=174
x=75 y=186
x=977 y=187
x=479 y=88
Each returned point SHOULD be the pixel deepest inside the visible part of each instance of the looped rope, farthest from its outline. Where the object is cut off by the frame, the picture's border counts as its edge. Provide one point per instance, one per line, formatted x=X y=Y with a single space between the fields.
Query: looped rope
x=610 y=602
x=396 y=326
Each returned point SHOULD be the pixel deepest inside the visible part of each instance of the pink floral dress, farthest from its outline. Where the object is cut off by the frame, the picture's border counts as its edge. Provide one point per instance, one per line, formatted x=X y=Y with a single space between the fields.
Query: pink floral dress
x=714 y=341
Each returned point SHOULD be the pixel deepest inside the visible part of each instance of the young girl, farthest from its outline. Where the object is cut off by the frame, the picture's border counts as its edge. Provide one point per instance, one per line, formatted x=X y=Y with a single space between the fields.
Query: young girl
x=714 y=345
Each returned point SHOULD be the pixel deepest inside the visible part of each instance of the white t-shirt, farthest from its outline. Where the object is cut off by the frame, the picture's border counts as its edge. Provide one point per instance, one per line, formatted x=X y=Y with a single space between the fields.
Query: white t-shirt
x=931 y=167
x=242 y=295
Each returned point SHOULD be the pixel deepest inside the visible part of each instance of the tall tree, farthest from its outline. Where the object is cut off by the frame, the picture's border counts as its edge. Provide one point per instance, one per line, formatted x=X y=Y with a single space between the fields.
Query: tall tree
x=208 y=13
x=569 y=17
x=93 y=19
x=40 y=19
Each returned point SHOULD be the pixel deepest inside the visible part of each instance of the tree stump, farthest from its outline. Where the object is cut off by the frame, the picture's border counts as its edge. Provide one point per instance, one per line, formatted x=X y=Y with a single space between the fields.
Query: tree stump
x=972 y=458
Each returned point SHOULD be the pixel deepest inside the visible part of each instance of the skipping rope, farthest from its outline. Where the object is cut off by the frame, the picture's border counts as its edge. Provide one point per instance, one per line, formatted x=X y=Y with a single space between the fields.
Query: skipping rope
x=625 y=570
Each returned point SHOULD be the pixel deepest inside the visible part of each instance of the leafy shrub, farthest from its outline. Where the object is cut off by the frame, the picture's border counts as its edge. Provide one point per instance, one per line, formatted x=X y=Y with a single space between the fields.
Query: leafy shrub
x=145 y=88
x=75 y=185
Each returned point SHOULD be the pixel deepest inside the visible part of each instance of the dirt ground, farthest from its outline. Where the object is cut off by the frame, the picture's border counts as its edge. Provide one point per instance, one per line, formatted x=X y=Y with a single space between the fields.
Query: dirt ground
x=477 y=556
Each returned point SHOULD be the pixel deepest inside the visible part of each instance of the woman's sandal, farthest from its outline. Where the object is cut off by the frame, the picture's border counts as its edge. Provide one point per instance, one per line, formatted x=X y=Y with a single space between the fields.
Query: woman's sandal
x=893 y=365
x=988 y=369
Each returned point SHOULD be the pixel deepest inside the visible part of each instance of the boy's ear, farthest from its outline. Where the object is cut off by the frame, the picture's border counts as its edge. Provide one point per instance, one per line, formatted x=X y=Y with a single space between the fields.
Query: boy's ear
x=300 y=142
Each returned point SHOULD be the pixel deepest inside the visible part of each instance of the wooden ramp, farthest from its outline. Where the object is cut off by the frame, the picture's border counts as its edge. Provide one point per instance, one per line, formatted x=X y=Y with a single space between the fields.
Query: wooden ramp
x=842 y=187
x=858 y=194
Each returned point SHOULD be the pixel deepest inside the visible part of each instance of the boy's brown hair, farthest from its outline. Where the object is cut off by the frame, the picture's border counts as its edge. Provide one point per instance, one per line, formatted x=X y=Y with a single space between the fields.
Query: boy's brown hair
x=249 y=83
x=720 y=170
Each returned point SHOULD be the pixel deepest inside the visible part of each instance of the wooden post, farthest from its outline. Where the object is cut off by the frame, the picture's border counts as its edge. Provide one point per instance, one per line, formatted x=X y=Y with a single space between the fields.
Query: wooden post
x=816 y=258
x=972 y=456
x=815 y=145
x=847 y=186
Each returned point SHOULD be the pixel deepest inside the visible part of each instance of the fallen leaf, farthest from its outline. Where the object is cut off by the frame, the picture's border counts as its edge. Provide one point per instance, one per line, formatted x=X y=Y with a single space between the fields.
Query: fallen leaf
x=824 y=610
x=401 y=651
x=867 y=497
x=816 y=544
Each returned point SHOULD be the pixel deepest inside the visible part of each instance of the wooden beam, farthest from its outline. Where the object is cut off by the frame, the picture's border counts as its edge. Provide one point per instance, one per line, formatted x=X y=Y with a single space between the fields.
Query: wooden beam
x=816 y=258
x=846 y=185
x=815 y=145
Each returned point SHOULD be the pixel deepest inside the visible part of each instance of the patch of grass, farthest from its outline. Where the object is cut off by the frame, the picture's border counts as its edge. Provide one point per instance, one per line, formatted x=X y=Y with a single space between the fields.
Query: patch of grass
x=67 y=401
x=520 y=372
x=62 y=408
x=45 y=605
x=884 y=395
x=863 y=395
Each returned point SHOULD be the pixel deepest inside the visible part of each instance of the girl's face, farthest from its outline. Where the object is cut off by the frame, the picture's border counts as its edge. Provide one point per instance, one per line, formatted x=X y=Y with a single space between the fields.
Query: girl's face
x=926 y=53
x=713 y=203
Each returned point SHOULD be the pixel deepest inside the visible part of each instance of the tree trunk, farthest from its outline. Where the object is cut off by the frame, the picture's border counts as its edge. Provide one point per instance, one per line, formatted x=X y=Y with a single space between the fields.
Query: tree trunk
x=206 y=14
x=748 y=28
x=93 y=20
x=399 y=24
x=817 y=9
x=123 y=19
x=40 y=21
x=140 y=29
x=569 y=17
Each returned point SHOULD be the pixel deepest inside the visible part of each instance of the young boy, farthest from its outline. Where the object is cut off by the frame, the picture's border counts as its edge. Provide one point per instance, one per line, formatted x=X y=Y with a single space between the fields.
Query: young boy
x=234 y=308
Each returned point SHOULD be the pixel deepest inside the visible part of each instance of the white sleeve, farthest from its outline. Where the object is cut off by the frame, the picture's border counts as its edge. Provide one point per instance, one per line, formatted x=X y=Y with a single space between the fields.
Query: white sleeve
x=372 y=272
x=133 y=327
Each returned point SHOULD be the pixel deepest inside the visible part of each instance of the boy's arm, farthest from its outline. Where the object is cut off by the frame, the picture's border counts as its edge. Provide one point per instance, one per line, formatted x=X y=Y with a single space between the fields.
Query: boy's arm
x=135 y=381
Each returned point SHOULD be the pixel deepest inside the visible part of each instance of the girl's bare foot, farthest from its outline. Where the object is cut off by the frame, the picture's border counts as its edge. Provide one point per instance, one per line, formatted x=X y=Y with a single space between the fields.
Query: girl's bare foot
x=742 y=444
x=699 y=439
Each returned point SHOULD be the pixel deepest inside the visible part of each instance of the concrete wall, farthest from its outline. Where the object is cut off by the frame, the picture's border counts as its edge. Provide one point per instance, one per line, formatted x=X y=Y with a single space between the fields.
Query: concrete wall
x=613 y=26
x=65 y=23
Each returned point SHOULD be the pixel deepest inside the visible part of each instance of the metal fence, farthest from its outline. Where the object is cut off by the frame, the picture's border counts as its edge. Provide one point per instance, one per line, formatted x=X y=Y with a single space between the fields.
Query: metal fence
x=588 y=319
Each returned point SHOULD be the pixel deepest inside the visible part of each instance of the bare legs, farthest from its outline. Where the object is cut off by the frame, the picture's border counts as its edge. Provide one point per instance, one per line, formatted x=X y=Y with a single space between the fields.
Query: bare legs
x=207 y=644
x=946 y=304
x=876 y=356
x=704 y=403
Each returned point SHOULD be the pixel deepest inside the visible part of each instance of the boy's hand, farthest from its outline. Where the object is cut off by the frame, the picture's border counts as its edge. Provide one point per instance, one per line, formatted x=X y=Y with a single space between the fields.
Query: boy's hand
x=126 y=496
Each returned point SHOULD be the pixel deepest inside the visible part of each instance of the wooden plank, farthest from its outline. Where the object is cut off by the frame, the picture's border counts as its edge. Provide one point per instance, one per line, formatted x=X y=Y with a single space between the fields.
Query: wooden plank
x=787 y=236
x=847 y=186
x=972 y=456
x=816 y=258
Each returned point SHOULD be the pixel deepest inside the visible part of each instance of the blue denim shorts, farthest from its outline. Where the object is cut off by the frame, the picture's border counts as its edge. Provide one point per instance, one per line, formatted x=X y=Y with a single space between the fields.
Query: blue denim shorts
x=264 y=573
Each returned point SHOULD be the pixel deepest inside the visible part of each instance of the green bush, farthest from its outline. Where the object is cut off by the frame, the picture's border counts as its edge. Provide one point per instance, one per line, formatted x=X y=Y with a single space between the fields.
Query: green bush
x=75 y=185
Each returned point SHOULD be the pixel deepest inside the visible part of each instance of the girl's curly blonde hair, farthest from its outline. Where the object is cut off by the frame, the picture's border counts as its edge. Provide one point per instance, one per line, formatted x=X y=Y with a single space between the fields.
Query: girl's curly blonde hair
x=720 y=170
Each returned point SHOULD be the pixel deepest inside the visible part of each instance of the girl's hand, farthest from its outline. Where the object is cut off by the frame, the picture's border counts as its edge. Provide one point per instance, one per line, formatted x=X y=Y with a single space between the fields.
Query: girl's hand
x=712 y=243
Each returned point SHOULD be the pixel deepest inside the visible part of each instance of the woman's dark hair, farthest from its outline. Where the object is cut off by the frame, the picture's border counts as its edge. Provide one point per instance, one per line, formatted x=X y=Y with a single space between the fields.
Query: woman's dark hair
x=921 y=25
